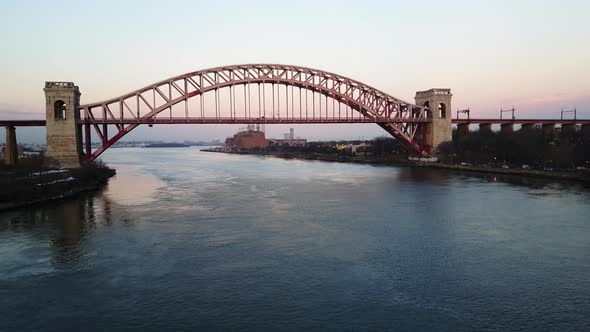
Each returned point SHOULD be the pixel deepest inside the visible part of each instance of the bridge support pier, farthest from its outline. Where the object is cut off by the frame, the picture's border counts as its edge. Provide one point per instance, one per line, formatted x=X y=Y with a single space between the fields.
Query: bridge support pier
x=64 y=135
x=485 y=128
x=11 y=155
x=568 y=131
x=507 y=128
x=527 y=126
x=462 y=130
x=586 y=133
x=549 y=131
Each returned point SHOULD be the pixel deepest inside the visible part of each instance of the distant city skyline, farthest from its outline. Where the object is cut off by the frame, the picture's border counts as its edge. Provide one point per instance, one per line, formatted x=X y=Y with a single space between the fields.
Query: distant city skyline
x=532 y=55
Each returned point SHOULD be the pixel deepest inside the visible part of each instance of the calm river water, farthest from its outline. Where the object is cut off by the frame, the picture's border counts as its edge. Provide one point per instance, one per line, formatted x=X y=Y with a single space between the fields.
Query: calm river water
x=184 y=240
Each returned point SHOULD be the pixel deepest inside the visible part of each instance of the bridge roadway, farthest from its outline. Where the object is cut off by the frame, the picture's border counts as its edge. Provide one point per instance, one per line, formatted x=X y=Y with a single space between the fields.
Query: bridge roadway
x=22 y=123
x=213 y=120
x=521 y=121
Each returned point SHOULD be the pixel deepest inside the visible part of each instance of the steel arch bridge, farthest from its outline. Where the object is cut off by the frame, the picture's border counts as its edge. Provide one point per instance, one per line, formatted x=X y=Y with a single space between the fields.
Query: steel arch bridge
x=296 y=95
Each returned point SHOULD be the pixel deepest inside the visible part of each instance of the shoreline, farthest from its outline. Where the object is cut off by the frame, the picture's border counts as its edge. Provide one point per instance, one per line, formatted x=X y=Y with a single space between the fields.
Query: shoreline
x=76 y=183
x=578 y=176
x=531 y=173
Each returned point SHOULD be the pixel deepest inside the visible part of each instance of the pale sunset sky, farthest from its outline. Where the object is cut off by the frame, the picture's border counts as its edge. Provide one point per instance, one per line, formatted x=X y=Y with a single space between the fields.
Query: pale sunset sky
x=533 y=55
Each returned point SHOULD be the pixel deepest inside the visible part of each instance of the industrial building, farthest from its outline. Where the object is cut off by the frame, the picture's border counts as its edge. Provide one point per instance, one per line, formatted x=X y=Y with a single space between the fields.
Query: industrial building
x=251 y=137
x=290 y=140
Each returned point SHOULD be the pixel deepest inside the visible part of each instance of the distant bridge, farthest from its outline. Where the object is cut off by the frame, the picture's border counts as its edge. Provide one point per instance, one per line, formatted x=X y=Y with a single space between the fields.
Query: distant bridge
x=242 y=120
x=266 y=94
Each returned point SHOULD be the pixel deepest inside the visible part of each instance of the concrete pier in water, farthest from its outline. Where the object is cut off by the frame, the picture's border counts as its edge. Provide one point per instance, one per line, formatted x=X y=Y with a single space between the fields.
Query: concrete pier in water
x=11 y=154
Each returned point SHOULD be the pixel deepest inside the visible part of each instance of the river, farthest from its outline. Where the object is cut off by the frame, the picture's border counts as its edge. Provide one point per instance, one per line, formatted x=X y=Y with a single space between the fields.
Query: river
x=184 y=240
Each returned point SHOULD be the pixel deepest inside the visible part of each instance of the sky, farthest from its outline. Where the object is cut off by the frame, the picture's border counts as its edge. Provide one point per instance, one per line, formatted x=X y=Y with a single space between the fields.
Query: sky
x=533 y=55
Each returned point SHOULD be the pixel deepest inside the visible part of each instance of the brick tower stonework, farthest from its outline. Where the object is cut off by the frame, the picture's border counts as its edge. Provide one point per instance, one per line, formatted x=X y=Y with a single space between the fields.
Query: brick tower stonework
x=64 y=136
x=439 y=103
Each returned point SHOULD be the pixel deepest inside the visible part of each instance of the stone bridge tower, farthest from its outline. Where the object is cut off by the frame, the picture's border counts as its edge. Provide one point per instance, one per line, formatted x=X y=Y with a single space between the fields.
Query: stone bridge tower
x=439 y=103
x=64 y=135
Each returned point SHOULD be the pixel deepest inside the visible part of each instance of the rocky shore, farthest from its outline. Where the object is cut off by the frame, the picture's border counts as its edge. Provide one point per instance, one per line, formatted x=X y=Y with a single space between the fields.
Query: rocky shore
x=19 y=190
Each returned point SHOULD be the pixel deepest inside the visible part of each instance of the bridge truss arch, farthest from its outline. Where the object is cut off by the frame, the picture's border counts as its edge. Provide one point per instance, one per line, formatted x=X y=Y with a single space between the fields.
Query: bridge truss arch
x=405 y=121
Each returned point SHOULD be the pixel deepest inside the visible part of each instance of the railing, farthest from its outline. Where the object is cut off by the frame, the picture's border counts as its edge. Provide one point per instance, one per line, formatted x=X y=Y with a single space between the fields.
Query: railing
x=434 y=92
x=59 y=84
x=242 y=120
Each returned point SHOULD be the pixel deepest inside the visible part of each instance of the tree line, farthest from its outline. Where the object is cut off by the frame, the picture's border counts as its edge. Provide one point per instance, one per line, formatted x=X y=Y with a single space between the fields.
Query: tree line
x=523 y=147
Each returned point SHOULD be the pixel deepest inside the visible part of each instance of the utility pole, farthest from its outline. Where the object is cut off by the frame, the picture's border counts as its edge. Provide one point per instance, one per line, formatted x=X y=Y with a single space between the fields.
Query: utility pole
x=466 y=111
x=512 y=110
x=570 y=111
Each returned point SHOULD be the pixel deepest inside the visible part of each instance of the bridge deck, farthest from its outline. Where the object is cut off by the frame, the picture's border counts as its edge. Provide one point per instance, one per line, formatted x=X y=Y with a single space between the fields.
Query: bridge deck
x=22 y=123
x=227 y=120
x=521 y=121
x=41 y=123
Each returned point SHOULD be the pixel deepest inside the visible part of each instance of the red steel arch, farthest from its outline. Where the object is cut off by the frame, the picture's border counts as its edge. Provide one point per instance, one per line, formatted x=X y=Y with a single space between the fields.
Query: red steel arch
x=401 y=119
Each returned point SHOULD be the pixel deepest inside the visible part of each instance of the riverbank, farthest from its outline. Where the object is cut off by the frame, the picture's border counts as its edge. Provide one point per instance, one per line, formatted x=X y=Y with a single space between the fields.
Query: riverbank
x=573 y=175
x=20 y=190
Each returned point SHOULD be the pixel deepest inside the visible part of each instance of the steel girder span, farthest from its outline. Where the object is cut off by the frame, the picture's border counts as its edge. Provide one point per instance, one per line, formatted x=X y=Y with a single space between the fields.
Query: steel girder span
x=271 y=94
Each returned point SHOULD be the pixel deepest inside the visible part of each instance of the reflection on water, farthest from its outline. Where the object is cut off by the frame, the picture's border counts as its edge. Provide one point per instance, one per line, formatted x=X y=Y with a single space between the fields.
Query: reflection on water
x=132 y=187
x=71 y=227
x=201 y=241
x=58 y=226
